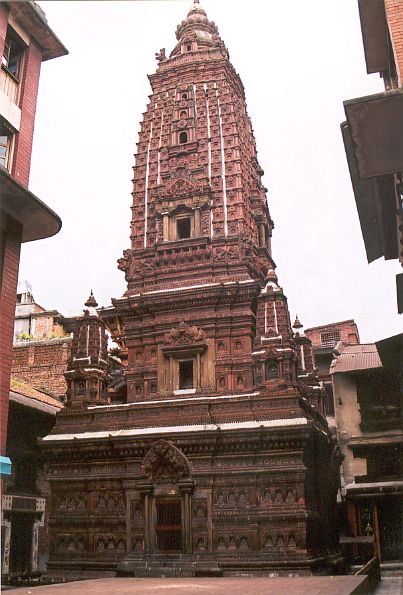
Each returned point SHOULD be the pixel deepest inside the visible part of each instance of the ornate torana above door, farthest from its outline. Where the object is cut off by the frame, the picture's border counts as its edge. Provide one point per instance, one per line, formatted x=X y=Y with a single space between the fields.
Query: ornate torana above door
x=184 y=334
x=164 y=463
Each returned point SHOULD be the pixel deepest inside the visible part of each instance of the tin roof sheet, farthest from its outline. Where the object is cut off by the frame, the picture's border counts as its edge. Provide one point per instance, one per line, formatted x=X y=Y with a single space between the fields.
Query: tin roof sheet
x=25 y=394
x=355 y=358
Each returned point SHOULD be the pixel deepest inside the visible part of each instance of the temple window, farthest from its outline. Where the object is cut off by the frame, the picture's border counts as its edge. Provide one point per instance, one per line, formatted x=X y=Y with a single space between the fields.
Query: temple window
x=183 y=114
x=183 y=138
x=184 y=96
x=183 y=228
x=185 y=374
x=80 y=387
x=188 y=47
x=272 y=372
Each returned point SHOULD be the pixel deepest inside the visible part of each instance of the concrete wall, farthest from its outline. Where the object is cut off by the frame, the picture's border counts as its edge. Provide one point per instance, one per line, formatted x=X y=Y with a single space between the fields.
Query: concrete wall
x=348 y=418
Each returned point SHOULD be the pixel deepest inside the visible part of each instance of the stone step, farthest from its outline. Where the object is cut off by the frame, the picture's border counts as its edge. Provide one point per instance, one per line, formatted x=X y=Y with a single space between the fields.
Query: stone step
x=391 y=569
x=160 y=565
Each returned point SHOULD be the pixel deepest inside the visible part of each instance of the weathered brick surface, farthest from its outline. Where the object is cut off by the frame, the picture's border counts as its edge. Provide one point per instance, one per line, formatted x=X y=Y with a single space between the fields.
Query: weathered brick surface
x=12 y=238
x=394 y=16
x=28 y=96
x=3 y=24
x=42 y=364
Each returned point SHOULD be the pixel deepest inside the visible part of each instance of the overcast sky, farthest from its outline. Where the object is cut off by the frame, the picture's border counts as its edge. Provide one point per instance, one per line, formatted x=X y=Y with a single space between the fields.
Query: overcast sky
x=298 y=62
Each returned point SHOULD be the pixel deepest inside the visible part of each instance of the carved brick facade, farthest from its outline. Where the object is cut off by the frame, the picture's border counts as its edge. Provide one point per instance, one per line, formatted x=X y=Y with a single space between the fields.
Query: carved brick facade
x=220 y=455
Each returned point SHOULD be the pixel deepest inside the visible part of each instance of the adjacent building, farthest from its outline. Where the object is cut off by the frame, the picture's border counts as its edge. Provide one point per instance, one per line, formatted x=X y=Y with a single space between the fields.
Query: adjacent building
x=367 y=401
x=373 y=136
x=26 y=40
x=25 y=504
x=324 y=339
x=216 y=458
x=32 y=321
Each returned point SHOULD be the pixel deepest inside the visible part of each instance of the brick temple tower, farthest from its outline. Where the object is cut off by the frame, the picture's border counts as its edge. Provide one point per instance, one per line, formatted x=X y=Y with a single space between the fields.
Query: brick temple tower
x=220 y=459
x=86 y=373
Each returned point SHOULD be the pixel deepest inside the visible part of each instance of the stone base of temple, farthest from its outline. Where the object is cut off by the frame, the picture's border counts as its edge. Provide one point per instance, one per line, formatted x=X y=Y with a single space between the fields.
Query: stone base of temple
x=167 y=565
x=180 y=565
x=61 y=571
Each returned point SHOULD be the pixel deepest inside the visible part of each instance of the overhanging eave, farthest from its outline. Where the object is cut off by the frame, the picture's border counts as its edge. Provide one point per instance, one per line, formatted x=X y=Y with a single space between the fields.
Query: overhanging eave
x=374 y=34
x=376 y=125
x=365 y=200
x=37 y=219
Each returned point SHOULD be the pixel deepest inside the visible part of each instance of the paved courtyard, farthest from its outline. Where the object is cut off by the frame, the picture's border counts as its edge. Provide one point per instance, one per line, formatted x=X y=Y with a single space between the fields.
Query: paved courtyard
x=390 y=585
x=327 y=585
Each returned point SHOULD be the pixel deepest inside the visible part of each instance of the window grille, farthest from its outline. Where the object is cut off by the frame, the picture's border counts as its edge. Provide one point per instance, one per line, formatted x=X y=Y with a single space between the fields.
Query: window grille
x=329 y=339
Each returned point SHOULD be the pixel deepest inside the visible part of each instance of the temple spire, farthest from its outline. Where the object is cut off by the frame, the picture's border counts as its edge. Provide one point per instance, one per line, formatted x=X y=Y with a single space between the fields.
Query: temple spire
x=196 y=31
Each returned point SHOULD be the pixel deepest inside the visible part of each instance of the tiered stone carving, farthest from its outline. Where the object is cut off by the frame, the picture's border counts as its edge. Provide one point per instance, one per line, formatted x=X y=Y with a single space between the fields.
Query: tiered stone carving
x=220 y=453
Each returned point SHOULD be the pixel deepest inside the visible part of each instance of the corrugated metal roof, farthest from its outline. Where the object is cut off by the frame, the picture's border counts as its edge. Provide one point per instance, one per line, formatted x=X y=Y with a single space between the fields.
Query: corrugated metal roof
x=31 y=396
x=356 y=357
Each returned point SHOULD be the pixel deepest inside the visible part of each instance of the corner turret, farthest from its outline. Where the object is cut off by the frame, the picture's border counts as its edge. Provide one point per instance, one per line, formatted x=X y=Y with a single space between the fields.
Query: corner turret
x=87 y=368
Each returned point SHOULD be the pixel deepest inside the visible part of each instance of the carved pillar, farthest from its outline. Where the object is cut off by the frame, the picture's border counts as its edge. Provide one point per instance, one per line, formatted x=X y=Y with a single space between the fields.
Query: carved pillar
x=198 y=375
x=210 y=522
x=165 y=227
x=171 y=385
x=268 y=243
x=146 y=490
x=261 y=232
x=186 y=488
x=197 y=223
x=34 y=543
x=6 y=525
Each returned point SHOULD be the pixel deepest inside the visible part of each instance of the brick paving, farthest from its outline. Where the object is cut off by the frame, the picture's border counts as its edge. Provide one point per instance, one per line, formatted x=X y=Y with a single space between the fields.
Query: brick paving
x=326 y=585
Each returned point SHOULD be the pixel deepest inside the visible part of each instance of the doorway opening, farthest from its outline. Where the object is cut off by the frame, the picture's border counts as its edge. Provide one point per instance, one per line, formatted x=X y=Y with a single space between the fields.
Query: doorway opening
x=186 y=374
x=21 y=542
x=390 y=516
x=169 y=525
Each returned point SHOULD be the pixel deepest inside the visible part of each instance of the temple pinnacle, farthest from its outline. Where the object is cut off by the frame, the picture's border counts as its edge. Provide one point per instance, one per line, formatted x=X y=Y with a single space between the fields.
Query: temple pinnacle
x=91 y=302
x=297 y=324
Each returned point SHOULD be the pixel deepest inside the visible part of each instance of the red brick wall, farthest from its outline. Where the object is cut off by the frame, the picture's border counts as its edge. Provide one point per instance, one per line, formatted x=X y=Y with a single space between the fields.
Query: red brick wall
x=348 y=332
x=3 y=25
x=42 y=364
x=394 y=16
x=28 y=97
x=12 y=242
